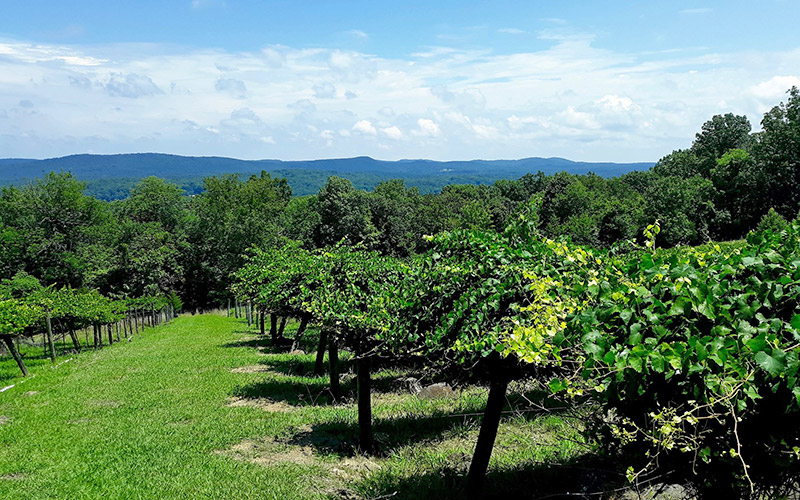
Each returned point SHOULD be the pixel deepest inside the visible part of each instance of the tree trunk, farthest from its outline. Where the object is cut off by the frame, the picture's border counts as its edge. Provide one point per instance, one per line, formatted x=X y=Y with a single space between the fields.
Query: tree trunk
x=486 y=437
x=299 y=333
x=94 y=334
x=50 y=338
x=282 y=327
x=110 y=334
x=323 y=343
x=236 y=309
x=75 y=341
x=261 y=322
x=116 y=328
x=273 y=328
x=333 y=368
x=15 y=354
x=365 y=441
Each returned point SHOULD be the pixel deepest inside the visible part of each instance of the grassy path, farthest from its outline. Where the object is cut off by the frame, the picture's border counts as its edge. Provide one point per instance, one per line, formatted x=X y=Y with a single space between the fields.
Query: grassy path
x=141 y=420
x=202 y=408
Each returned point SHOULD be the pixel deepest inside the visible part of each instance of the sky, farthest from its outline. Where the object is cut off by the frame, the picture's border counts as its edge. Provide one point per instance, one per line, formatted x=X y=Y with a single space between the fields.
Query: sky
x=446 y=80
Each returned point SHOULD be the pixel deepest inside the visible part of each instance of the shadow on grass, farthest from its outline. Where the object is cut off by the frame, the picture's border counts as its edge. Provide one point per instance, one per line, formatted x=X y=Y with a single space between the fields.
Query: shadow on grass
x=303 y=365
x=310 y=392
x=585 y=477
x=308 y=343
x=389 y=433
x=256 y=343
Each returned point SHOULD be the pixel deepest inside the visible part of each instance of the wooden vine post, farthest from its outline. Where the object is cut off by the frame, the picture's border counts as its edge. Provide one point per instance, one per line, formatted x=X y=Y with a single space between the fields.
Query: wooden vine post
x=9 y=342
x=364 y=394
x=50 y=343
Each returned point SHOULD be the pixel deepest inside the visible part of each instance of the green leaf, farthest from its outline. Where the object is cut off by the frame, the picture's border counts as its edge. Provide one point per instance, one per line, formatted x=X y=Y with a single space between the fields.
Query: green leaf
x=774 y=364
x=657 y=362
x=557 y=385
x=796 y=322
x=635 y=362
x=679 y=306
x=757 y=344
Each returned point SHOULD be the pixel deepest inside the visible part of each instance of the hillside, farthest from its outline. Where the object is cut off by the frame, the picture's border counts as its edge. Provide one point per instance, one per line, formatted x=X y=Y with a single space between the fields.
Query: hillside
x=110 y=176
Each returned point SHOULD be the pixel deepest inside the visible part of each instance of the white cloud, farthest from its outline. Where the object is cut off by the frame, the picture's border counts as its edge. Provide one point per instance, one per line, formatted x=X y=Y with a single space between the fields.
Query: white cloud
x=325 y=90
x=236 y=88
x=428 y=127
x=486 y=131
x=392 y=133
x=570 y=98
x=365 y=127
x=775 y=88
x=357 y=33
x=130 y=85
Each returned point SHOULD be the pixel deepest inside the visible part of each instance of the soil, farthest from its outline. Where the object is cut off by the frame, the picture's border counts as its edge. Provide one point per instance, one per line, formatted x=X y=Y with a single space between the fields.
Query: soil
x=263 y=403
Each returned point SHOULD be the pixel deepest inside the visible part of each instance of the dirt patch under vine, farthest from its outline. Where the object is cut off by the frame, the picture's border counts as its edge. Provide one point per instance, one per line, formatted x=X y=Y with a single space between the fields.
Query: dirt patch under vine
x=12 y=477
x=252 y=369
x=262 y=403
x=273 y=452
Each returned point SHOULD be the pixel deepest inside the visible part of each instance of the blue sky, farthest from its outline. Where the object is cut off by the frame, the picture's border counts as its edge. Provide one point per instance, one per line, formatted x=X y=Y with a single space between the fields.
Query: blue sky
x=610 y=81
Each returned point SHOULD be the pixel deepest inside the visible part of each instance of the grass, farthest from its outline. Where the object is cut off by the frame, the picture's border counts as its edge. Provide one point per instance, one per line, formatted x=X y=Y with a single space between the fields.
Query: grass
x=204 y=408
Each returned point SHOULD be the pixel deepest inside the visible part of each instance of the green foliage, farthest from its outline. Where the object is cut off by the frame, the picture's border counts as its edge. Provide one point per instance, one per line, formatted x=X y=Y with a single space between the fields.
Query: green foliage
x=685 y=208
x=16 y=315
x=772 y=221
x=694 y=352
x=482 y=297
x=229 y=217
x=718 y=136
x=53 y=222
x=343 y=214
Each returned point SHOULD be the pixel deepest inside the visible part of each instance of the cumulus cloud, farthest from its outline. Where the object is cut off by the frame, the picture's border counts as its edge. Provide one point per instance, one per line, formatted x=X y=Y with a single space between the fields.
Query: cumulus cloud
x=428 y=127
x=80 y=81
x=232 y=86
x=303 y=106
x=616 y=104
x=325 y=90
x=775 y=88
x=365 y=127
x=130 y=85
x=392 y=133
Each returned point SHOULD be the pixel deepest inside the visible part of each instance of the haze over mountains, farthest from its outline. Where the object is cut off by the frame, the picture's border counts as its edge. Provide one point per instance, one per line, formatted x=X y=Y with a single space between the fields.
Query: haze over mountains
x=110 y=176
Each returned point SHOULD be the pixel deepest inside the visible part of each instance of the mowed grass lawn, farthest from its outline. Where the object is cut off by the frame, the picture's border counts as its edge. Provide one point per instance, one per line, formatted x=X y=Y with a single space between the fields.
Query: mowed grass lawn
x=203 y=408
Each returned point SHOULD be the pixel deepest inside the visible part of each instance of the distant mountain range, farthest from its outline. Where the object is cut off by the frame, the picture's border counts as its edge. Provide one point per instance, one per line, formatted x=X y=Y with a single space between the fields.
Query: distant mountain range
x=119 y=172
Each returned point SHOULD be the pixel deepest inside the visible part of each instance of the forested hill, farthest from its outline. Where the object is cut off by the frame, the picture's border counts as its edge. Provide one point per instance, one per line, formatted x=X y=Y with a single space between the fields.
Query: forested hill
x=111 y=176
